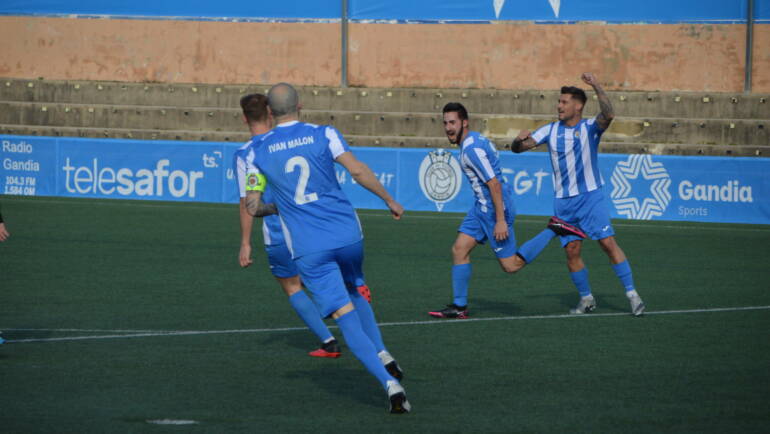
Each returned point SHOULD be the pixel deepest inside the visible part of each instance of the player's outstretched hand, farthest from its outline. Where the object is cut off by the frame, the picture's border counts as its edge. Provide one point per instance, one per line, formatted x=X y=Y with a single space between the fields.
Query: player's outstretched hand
x=523 y=135
x=244 y=257
x=3 y=232
x=589 y=79
x=396 y=209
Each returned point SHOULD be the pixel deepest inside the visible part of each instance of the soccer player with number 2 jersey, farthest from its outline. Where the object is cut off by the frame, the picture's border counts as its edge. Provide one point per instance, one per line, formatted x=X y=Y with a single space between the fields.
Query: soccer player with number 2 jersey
x=321 y=227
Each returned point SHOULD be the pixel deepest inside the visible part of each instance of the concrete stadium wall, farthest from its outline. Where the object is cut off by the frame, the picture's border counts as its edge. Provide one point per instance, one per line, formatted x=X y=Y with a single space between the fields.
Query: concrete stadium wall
x=169 y=51
x=504 y=55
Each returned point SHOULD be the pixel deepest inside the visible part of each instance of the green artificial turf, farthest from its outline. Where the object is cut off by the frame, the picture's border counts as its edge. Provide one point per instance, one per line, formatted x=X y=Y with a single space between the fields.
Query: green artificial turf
x=94 y=295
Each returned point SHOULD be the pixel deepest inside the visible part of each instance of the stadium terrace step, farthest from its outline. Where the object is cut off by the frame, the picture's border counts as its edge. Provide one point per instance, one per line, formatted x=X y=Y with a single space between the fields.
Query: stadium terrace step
x=372 y=141
x=700 y=105
x=661 y=123
x=501 y=128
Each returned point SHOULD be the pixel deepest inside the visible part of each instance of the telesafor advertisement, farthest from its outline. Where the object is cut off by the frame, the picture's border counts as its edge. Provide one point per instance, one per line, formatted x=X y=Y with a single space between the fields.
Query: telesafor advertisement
x=640 y=187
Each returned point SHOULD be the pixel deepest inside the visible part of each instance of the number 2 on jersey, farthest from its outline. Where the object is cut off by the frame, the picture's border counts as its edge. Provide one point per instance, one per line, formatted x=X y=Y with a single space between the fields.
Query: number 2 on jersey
x=300 y=197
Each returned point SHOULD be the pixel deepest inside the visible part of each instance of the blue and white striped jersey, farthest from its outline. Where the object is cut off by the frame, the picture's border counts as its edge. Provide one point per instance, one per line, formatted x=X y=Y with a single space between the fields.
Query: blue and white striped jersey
x=298 y=161
x=272 y=234
x=574 y=152
x=480 y=161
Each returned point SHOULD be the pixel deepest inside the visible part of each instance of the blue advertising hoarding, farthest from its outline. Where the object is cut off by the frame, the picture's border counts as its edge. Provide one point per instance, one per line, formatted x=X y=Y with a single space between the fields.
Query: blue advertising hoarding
x=177 y=9
x=640 y=187
x=564 y=11
x=616 y=11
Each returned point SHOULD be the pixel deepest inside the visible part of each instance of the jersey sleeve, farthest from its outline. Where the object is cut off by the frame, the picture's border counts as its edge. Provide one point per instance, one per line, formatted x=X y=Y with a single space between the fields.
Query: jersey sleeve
x=252 y=176
x=479 y=161
x=541 y=134
x=337 y=144
x=594 y=128
x=239 y=169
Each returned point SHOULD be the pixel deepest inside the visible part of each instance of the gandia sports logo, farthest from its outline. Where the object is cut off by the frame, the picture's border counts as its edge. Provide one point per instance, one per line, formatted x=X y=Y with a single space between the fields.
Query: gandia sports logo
x=440 y=177
x=649 y=207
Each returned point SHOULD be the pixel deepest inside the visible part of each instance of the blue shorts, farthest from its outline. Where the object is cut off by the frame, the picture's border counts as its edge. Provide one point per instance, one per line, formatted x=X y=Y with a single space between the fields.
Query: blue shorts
x=281 y=264
x=331 y=274
x=481 y=226
x=588 y=211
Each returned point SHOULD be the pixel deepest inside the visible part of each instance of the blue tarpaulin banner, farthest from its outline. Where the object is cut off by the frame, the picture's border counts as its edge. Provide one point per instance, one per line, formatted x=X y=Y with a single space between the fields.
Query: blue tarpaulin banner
x=565 y=11
x=626 y=11
x=640 y=187
x=318 y=9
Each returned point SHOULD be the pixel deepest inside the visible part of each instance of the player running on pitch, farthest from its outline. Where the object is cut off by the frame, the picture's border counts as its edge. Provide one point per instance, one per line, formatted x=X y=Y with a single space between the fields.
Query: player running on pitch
x=257 y=117
x=321 y=227
x=492 y=215
x=573 y=143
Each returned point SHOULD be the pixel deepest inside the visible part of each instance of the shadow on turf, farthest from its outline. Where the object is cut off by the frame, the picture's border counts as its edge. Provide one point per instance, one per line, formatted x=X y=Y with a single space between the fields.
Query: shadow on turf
x=485 y=307
x=481 y=306
x=351 y=385
x=305 y=341
x=567 y=301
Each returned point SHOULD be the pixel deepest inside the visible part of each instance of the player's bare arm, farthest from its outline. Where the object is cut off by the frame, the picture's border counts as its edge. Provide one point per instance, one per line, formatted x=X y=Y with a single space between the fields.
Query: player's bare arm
x=501 y=226
x=247 y=221
x=523 y=142
x=256 y=208
x=364 y=176
x=606 y=112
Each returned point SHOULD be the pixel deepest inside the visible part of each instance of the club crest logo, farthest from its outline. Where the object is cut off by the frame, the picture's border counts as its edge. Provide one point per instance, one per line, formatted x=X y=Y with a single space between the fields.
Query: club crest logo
x=251 y=180
x=653 y=202
x=440 y=177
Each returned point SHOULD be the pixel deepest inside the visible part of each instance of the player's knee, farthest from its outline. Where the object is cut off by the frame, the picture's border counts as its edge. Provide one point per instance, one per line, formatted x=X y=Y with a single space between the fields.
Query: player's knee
x=513 y=264
x=608 y=244
x=510 y=269
x=459 y=252
x=572 y=249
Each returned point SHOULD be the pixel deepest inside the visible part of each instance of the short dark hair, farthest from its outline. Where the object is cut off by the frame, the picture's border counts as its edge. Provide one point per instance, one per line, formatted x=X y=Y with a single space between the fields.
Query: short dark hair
x=457 y=108
x=254 y=107
x=575 y=92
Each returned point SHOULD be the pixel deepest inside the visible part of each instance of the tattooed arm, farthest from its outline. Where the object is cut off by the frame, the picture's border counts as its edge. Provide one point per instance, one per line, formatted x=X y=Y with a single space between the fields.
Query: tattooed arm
x=523 y=142
x=257 y=208
x=606 y=114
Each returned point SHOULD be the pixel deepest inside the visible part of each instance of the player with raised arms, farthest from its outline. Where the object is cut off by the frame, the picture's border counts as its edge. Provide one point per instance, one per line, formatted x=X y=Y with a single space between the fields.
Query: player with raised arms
x=321 y=228
x=573 y=144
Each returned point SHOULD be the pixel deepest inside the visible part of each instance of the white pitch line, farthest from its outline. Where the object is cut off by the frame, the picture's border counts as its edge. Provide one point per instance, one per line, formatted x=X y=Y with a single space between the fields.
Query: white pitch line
x=387 y=324
x=88 y=330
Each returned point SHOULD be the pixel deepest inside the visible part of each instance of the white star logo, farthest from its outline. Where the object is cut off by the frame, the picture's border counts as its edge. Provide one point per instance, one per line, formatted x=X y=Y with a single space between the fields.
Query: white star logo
x=498 y=5
x=625 y=171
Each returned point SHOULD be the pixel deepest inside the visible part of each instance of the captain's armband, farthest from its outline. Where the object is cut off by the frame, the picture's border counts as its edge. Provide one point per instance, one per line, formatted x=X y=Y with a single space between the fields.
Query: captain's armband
x=256 y=182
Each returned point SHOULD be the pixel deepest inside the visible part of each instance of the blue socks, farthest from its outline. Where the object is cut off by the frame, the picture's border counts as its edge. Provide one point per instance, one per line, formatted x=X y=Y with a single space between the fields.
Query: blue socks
x=461 y=275
x=623 y=271
x=368 y=322
x=362 y=347
x=533 y=247
x=308 y=312
x=580 y=279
